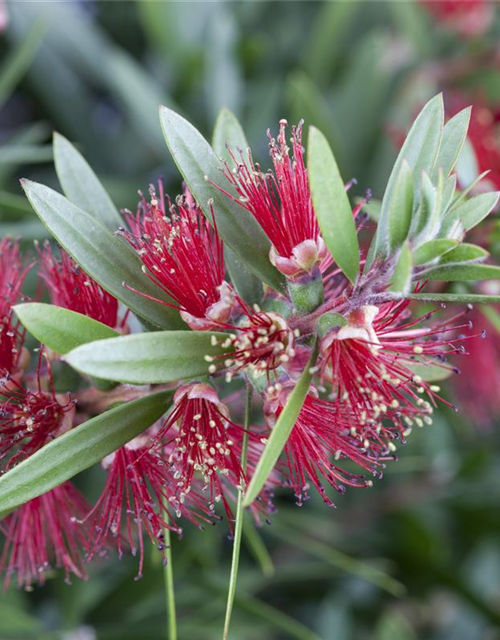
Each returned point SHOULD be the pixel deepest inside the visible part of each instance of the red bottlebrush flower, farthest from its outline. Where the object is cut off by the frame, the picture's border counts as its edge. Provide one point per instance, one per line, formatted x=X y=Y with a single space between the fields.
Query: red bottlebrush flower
x=30 y=418
x=281 y=203
x=70 y=287
x=198 y=430
x=12 y=274
x=479 y=383
x=368 y=362
x=139 y=496
x=261 y=342
x=44 y=534
x=13 y=357
x=183 y=255
x=323 y=431
x=468 y=18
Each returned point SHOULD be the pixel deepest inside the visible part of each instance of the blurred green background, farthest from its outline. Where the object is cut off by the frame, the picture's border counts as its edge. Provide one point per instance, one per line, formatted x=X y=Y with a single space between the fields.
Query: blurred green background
x=417 y=556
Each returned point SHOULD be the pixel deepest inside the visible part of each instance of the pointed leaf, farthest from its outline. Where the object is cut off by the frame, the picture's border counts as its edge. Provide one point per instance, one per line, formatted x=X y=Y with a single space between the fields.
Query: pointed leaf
x=469 y=298
x=464 y=253
x=432 y=249
x=425 y=222
x=400 y=209
x=60 y=329
x=79 y=449
x=105 y=258
x=471 y=212
x=332 y=206
x=420 y=151
x=460 y=272
x=430 y=372
x=401 y=277
x=199 y=165
x=229 y=131
x=149 y=358
x=281 y=431
x=81 y=185
x=329 y=321
x=464 y=193
x=454 y=135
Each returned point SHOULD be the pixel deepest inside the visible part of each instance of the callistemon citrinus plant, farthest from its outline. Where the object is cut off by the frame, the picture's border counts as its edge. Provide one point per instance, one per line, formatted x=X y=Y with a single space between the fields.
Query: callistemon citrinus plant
x=250 y=289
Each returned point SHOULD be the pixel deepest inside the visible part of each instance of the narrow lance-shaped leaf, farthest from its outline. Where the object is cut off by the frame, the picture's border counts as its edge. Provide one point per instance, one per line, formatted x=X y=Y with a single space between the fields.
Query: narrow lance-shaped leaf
x=420 y=151
x=102 y=255
x=81 y=185
x=401 y=278
x=432 y=249
x=150 y=358
x=200 y=166
x=396 y=224
x=454 y=135
x=459 y=272
x=464 y=253
x=469 y=298
x=60 y=329
x=331 y=205
x=281 y=431
x=229 y=131
x=79 y=449
x=471 y=212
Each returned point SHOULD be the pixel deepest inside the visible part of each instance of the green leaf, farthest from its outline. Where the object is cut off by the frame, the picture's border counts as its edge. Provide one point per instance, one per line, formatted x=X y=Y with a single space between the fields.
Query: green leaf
x=460 y=272
x=60 y=329
x=493 y=316
x=471 y=212
x=470 y=298
x=79 y=449
x=246 y=284
x=81 y=185
x=400 y=210
x=401 y=278
x=454 y=135
x=281 y=431
x=149 y=358
x=422 y=145
x=425 y=222
x=103 y=256
x=420 y=151
x=372 y=208
x=329 y=321
x=432 y=249
x=464 y=193
x=464 y=253
x=199 y=165
x=332 y=206
x=430 y=372
x=228 y=130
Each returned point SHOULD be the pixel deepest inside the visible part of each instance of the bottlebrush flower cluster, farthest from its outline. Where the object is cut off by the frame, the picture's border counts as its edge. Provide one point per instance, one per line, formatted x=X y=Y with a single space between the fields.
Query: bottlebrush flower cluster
x=330 y=345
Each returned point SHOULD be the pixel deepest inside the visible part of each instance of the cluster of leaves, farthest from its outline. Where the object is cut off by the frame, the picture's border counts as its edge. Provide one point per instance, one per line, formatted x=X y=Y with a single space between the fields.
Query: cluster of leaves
x=416 y=220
